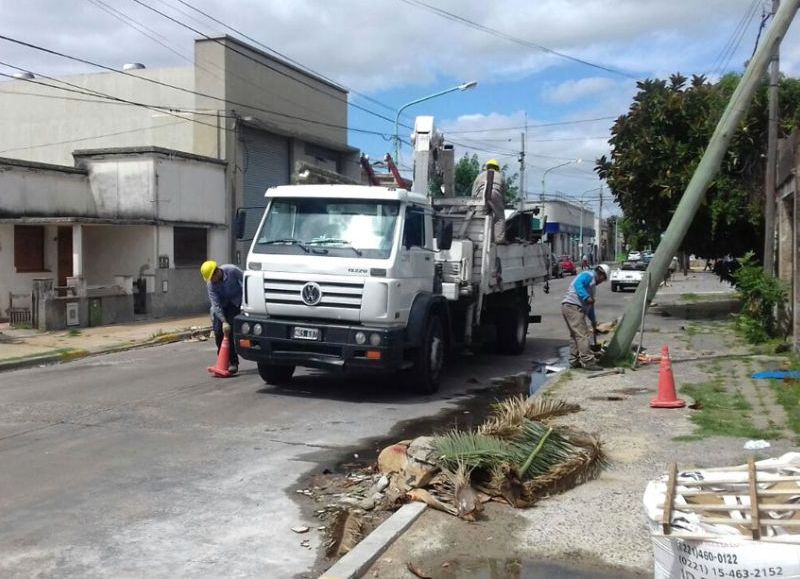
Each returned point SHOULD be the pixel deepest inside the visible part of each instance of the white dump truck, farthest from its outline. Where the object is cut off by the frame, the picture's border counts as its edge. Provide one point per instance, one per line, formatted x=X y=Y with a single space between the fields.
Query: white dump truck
x=381 y=279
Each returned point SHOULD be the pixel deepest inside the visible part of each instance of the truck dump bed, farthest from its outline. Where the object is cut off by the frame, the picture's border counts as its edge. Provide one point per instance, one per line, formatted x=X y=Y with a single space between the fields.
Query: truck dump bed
x=521 y=261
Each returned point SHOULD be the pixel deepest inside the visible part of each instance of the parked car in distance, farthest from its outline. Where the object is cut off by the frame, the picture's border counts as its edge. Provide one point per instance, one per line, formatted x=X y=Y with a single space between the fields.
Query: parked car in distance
x=629 y=275
x=634 y=256
x=555 y=268
x=567 y=265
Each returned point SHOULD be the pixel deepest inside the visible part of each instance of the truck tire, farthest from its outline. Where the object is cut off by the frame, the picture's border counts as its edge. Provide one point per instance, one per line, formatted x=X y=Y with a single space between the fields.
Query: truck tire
x=426 y=374
x=275 y=375
x=512 y=330
x=614 y=287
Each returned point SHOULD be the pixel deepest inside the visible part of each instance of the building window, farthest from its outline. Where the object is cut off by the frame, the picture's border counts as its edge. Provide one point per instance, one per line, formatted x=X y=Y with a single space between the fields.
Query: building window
x=190 y=246
x=29 y=248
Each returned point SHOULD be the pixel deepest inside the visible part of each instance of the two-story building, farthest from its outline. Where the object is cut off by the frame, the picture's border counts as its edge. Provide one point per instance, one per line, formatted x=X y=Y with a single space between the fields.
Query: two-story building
x=92 y=189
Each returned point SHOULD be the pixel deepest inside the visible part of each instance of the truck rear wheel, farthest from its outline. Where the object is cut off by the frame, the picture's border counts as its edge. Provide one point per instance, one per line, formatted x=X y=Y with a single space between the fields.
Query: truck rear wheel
x=275 y=375
x=512 y=330
x=426 y=375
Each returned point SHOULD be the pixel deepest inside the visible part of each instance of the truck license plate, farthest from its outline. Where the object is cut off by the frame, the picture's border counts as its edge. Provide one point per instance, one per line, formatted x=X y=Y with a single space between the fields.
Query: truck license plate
x=299 y=333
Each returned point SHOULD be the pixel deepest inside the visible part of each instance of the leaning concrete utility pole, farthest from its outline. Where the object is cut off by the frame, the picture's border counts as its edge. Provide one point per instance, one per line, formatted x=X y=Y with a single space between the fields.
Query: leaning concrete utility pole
x=672 y=238
x=772 y=157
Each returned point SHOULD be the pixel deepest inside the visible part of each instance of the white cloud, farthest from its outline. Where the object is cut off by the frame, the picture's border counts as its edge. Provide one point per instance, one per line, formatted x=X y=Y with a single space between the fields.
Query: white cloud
x=574 y=90
x=383 y=44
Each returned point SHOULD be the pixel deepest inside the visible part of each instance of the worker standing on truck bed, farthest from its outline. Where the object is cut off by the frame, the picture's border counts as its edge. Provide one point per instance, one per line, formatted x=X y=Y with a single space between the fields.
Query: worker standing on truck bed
x=495 y=199
x=577 y=305
x=225 y=294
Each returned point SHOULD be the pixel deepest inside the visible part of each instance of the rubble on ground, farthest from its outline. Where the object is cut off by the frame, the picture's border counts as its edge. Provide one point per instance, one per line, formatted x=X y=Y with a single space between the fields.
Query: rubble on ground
x=516 y=456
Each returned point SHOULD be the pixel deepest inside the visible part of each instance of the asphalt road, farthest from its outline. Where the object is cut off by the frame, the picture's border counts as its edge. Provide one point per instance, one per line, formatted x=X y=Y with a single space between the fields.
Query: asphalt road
x=139 y=464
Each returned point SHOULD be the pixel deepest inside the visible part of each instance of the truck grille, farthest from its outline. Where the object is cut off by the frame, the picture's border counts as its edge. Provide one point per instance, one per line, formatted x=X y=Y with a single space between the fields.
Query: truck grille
x=334 y=294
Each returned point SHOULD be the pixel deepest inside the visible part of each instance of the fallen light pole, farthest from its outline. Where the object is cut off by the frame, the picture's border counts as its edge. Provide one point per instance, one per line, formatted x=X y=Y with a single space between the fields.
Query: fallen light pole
x=620 y=343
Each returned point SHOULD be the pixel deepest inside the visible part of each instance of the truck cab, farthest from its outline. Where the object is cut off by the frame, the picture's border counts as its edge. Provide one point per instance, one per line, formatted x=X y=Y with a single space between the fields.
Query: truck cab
x=342 y=277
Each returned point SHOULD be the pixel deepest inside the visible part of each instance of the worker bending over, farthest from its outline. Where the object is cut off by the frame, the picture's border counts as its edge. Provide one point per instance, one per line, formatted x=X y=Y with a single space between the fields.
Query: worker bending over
x=494 y=199
x=225 y=294
x=577 y=305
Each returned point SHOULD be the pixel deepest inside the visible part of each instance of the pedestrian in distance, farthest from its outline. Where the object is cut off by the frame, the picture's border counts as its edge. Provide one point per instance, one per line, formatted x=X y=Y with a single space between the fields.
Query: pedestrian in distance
x=494 y=199
x=225 y=294
x=578 y=305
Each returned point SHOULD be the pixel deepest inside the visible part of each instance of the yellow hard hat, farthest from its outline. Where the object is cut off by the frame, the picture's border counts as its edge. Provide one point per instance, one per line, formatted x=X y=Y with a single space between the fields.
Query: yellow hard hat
x=207 y=270
x=493 y=163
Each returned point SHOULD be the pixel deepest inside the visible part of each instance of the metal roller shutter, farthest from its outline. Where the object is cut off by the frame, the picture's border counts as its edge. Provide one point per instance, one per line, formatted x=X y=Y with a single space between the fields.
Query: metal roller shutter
x=266 y=164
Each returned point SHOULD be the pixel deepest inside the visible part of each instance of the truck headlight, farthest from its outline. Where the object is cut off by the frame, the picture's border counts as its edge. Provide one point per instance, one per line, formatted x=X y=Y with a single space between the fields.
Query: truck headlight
x=361 y=338
x=375 y=339
x=257 y=329
x=245 y=328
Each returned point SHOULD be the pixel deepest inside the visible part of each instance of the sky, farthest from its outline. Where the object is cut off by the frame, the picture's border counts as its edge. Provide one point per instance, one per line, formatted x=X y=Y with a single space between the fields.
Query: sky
x=563 y=68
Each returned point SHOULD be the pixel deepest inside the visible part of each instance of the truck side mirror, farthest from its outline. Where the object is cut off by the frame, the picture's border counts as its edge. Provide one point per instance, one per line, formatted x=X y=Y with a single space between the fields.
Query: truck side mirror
x=444 y=235
x=239 y=223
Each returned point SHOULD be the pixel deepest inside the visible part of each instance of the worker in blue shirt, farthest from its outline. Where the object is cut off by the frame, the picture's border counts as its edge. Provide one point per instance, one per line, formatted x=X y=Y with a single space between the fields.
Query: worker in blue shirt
x=225 y=294
x=577 y=305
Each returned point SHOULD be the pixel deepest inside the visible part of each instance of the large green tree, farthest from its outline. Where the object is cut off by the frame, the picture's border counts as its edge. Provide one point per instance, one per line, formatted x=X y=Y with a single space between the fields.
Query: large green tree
x=657 y=144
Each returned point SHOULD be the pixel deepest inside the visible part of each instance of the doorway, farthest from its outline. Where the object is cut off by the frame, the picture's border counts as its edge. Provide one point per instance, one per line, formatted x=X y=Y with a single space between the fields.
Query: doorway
x=64 y=265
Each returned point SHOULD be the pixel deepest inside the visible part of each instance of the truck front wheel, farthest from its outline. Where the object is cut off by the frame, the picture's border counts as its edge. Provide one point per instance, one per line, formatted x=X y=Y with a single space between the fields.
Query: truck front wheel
x=275 y=375
x=512 y=330
x=426 y=375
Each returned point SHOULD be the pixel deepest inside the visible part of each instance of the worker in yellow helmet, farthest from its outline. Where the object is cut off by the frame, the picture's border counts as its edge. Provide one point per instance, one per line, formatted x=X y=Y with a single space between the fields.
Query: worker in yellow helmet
x=495 y=199
x=225 y=294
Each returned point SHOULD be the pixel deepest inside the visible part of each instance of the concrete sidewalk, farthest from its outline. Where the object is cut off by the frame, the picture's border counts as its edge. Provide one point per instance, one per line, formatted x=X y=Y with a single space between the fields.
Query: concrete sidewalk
x=21 y=348
x=597 y=529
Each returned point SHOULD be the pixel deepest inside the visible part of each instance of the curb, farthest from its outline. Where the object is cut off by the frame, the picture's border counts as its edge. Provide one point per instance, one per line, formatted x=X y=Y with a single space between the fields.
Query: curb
x=357 y=561
x=51 y=359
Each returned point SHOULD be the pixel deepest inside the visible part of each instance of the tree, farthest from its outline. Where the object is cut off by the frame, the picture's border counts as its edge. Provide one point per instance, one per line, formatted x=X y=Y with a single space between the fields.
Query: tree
x=468 y=168
x=657 y=145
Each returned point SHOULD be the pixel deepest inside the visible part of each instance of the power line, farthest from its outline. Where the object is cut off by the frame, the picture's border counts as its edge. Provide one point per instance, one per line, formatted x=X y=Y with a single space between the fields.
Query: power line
x=155 y=108
x=92 y=138
x=284 y=56
x=185 y=90
x=498 y=33
x=264 y=64
x=152 y=34
x=520 y=127
x=736 y=38
x=720 y=58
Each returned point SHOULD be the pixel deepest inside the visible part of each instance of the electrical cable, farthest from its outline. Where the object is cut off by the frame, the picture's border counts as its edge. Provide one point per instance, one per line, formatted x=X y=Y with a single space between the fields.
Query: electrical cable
x=264 y=64
x=183 y=89
x=530 y=126
x=500 y=34
x=285 y=57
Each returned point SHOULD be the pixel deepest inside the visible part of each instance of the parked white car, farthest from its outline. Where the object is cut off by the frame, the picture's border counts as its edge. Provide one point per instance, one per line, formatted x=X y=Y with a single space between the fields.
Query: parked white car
x=635 y=256
x=629 y=275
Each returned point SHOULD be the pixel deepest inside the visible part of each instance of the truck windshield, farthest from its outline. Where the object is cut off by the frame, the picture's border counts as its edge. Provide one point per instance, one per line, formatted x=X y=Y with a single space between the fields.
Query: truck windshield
x=333 y=227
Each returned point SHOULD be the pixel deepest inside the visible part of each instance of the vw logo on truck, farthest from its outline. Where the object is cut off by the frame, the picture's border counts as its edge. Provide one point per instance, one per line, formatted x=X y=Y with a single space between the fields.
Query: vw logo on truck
x=311 y=294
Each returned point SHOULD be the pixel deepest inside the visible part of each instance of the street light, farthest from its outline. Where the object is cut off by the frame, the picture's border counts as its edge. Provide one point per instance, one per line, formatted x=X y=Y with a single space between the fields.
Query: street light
x=461 y=87
x=544 y=175
x=582 y=204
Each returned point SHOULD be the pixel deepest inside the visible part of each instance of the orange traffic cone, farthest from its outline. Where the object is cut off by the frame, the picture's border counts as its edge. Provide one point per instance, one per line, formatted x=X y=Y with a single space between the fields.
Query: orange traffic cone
x=666 y=397
x=223 y=359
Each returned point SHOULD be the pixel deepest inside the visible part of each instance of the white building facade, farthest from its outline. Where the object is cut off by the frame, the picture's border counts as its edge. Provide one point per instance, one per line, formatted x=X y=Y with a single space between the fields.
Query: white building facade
x=119 y=236
x=134 y=188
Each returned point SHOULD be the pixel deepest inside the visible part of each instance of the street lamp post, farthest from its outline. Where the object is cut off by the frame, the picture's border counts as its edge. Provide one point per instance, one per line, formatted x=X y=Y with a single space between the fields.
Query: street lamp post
x=544 y=176
x=461 y=87
x=580 y=243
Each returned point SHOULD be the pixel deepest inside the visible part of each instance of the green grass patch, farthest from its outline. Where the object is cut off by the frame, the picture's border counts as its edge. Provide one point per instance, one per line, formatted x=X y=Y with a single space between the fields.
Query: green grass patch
x=788 y=395
x=70 y=355
x=722 y=412
x=690 y=297
x=73 y=333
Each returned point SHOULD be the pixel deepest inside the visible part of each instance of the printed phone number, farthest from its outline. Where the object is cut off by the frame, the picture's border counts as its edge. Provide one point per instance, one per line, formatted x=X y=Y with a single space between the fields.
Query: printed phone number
x=711 y=571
